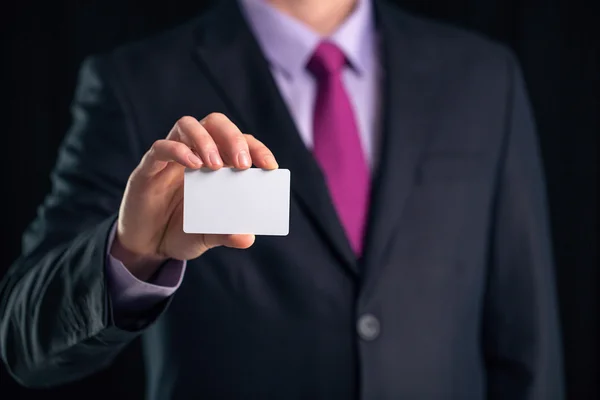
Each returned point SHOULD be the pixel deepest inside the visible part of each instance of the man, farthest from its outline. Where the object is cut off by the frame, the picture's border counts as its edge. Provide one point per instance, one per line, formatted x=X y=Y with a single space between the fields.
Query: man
x=418 y=262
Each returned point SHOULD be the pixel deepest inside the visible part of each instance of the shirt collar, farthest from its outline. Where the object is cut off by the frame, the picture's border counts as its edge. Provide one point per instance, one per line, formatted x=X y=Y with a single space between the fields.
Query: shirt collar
x=288 y=44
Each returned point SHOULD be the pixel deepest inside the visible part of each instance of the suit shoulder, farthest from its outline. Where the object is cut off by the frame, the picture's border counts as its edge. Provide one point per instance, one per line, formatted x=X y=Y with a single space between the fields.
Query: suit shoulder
x=149 y=55
x=451 y=44
x=159 y=47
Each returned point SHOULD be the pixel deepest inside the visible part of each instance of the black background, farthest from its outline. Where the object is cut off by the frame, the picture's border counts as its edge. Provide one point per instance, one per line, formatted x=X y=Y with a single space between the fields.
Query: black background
x=44 y=42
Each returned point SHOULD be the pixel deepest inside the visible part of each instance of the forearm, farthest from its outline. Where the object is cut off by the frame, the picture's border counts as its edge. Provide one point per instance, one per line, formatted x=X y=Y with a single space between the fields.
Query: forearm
x=56 y=323
x=521 y=329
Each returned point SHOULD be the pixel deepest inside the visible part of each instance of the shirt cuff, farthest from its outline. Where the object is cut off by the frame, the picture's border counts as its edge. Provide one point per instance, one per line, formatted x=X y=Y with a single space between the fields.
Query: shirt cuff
x=129 y=294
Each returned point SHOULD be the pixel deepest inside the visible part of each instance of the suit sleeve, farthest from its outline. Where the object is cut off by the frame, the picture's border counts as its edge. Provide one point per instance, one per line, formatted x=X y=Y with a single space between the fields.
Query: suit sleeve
x=521 y=329
x=56 y=321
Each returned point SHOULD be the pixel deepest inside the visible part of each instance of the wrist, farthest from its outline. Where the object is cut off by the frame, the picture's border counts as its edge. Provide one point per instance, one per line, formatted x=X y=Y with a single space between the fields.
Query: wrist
x=141 y=266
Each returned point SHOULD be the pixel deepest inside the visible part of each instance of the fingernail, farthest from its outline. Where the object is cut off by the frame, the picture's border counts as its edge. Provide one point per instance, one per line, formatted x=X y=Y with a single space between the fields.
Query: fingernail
x=194 y=159
x=270 y=160
x=244 y=159
x=214 y=158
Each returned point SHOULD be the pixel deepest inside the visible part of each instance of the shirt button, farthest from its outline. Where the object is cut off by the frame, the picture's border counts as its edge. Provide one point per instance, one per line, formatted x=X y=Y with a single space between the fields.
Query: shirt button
x=368 y=327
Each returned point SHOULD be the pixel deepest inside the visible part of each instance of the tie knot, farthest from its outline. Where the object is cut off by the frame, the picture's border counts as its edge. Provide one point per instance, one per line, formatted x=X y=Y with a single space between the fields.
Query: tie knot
x=327 y=60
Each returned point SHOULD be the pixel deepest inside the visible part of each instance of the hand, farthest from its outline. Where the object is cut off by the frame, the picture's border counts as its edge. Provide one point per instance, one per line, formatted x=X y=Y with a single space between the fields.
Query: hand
x=150 y=225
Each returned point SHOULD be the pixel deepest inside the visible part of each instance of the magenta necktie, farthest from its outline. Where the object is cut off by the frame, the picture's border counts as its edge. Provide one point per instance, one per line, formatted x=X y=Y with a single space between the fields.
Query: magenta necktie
x=337 y=146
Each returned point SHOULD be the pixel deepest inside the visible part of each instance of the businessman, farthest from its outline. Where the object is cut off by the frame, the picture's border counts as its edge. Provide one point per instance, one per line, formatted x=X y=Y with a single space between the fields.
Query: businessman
x=418 y=264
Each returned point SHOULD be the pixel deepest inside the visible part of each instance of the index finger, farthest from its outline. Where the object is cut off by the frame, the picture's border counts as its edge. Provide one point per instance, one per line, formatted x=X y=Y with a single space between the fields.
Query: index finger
x=230 y=140
x=189 y=131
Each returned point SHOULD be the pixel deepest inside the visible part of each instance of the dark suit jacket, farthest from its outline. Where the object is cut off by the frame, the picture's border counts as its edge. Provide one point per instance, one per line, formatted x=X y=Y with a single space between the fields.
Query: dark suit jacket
x=457 y=272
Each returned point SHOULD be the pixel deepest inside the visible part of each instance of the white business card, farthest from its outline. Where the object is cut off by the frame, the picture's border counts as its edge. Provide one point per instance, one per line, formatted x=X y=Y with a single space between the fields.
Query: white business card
x=230 y=201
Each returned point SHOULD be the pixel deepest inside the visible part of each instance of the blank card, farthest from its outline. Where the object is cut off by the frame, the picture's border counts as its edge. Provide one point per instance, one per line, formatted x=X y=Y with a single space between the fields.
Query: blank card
x=230 y=201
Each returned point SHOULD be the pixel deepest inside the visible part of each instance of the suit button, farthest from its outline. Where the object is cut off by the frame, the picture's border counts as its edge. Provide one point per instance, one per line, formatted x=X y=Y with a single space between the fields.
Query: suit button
x=368 y=327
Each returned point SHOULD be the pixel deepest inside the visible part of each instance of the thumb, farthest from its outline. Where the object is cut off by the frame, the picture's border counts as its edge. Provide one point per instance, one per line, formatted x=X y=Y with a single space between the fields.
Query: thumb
x=233 y=241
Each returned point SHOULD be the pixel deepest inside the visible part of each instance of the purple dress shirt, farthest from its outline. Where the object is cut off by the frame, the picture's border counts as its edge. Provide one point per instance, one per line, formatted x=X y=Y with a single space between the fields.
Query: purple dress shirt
x=287 y=45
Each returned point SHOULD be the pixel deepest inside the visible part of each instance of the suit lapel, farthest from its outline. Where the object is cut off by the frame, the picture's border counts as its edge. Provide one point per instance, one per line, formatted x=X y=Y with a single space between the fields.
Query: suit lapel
x=408 y=84
x=228 y=53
